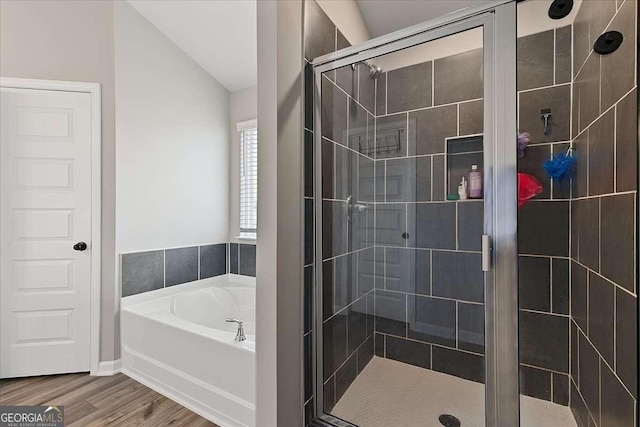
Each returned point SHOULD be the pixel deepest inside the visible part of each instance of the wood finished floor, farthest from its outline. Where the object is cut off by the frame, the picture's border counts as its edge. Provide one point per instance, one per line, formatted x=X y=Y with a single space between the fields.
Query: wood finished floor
x=99 y=401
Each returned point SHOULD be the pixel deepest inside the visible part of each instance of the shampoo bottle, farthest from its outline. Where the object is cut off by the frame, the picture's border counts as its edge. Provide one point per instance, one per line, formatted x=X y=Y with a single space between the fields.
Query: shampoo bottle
x=475 y=183
x=462 y=189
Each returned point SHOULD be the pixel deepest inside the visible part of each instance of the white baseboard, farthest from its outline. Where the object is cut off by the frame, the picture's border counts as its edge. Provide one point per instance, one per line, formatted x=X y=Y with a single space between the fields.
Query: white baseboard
x=109 y=367
x=182 y=399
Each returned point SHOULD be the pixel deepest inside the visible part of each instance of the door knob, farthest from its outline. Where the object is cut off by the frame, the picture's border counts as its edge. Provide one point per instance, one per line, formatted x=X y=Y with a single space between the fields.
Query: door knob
x=80 y=246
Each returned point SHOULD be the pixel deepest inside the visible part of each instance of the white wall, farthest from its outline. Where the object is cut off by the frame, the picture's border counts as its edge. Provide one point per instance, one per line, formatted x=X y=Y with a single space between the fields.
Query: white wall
x=172 y=132
x=243 y=105
x=280 y=211
x=73 y=41
x=533 y=17
x=266 y=252
x=346 y=15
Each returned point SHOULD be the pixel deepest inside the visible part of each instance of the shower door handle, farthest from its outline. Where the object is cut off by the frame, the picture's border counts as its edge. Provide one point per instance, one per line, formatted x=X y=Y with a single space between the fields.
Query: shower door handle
x=486 y=252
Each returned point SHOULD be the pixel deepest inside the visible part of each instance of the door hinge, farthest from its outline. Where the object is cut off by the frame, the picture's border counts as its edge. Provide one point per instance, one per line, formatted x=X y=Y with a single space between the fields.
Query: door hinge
x=486 y=252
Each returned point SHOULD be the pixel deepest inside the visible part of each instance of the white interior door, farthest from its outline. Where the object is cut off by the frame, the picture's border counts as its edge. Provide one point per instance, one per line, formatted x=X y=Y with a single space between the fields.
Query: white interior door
x=45 y=209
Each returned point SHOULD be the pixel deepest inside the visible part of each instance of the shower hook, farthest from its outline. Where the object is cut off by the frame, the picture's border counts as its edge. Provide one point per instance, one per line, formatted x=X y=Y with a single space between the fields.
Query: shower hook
x=545 y=115
x=569 y=149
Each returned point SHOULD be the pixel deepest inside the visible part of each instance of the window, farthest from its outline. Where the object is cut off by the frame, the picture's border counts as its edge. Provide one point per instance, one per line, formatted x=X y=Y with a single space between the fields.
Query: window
x=248 y=178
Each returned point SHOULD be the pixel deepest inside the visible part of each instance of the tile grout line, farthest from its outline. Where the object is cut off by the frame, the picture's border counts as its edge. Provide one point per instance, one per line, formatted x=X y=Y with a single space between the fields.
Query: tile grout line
x=555 y=64
x=456 y=327
x=431 y=185
x=432 y=344
x=615 y=329
x=591 y=51
x=618 y=286
x=431 y=272
x=601 y=196
x=587 y=296
x=384 y=345
x=431 y=357
x=375 y=98
x=447 y=104
x=540 y=88
x=406 y=224
x=384 y=268
x=599 y=392
x=349 y=97
x=601 y=358
x=552 y=186
x=599 y=234
x=551 y=285
x=341 y=145
x=406 y=315
x=433 y=85
x=615 y=148
x=552 y=387
x=548 y=313
x=456 y=227
x=407 y=130
x=458 y=119
x=635 y=248
x=580 y=132
x=386 y=94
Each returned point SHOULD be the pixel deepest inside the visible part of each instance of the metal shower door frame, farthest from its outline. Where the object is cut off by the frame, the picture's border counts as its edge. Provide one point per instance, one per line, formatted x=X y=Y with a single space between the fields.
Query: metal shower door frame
x=498 y=20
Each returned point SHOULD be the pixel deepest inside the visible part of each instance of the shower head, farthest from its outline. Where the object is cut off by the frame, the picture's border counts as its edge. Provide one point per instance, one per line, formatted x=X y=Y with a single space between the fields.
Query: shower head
x=375 y=71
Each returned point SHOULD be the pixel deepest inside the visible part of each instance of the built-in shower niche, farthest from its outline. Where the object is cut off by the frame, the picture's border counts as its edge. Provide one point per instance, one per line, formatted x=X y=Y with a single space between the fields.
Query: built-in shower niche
x=462 y=153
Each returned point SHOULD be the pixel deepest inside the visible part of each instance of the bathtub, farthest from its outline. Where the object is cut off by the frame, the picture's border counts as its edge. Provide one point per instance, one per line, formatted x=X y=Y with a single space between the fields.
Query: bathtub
x=176 y=341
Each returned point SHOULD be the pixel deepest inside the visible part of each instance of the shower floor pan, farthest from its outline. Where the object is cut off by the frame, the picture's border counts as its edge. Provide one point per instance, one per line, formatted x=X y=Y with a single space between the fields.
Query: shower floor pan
x=389 y=393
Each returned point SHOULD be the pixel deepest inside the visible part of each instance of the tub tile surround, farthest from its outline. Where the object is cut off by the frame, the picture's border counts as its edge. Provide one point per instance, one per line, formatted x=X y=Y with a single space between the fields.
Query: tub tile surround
x=181 y=265
x=603 y=215
x=242 y=259
x=151 y=270
x=142 y=272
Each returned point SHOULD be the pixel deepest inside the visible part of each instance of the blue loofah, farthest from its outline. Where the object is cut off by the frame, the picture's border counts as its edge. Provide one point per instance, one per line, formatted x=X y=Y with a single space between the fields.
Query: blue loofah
x=562 y=167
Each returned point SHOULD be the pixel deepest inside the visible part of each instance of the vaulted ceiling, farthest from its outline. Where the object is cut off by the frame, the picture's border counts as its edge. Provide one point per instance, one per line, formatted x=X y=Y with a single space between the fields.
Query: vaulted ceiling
x=221 y=35
x=383 y=17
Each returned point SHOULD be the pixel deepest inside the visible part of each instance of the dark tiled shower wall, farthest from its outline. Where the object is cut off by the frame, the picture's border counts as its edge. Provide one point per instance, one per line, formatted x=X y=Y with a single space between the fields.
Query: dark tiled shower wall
x=151 y=270
x=429 y=291
x=349 y=92
x=347 y=239
x=545 y=74
x=544 y=82
x=603 y=221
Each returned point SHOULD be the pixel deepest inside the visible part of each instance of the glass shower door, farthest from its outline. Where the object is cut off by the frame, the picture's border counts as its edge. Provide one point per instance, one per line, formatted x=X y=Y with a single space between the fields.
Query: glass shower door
x=404 y=195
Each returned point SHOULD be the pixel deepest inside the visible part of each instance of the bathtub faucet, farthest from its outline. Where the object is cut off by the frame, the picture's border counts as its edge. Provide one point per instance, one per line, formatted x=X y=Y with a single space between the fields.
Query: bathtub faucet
x=240 y=335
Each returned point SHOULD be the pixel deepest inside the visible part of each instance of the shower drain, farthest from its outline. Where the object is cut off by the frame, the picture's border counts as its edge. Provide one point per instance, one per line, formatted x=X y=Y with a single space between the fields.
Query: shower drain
x=449 y=420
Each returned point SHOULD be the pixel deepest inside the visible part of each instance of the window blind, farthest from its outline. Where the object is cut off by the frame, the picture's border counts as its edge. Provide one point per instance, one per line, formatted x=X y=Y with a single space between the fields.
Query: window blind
x=248 y=177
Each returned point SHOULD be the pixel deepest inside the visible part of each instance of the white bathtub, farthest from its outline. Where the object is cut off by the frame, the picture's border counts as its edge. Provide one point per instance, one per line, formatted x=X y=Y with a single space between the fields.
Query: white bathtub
x=176 y=341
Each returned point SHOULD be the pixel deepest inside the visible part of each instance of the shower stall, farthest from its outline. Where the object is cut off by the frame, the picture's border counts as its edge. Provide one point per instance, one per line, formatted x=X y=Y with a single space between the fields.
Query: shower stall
x=404 y=269
x=430 y=301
